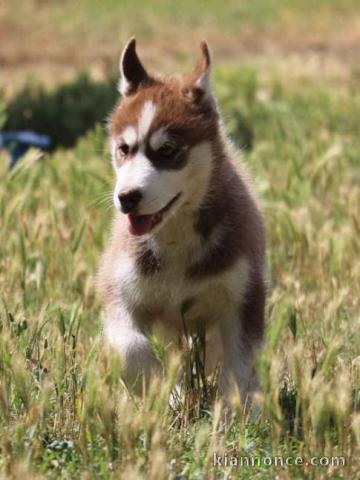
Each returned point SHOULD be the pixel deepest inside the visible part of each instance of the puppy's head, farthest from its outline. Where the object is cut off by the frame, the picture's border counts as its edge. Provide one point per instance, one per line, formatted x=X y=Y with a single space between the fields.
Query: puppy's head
x=161 y=135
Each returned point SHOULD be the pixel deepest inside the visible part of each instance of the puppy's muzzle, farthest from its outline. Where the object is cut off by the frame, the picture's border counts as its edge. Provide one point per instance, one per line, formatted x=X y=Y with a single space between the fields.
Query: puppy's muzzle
x=129 y=201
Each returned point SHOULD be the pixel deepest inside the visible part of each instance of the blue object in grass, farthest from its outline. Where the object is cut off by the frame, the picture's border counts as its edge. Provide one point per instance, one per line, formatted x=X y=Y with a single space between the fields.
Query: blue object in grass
x=18 y=143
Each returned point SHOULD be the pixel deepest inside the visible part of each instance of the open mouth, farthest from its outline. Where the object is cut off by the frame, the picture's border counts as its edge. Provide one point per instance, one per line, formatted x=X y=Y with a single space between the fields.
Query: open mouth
x=142 y=224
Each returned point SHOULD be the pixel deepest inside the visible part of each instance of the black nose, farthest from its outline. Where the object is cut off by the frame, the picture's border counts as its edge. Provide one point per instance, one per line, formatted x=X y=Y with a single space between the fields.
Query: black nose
x=130 y=200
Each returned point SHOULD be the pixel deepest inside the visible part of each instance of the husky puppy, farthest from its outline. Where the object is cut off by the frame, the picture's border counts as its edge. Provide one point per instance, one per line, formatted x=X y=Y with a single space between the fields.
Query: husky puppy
x=188 y=240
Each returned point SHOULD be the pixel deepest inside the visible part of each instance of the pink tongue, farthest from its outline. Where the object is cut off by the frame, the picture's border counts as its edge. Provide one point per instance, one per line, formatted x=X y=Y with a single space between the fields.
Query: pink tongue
x=140 y=224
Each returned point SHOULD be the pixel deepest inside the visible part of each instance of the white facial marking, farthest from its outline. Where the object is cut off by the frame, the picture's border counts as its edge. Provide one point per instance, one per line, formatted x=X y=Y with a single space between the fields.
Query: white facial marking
x=158 y=138
x=146 y=118
x=160 y=186
x=114 y=147
x=129 y=136
x=133 y=175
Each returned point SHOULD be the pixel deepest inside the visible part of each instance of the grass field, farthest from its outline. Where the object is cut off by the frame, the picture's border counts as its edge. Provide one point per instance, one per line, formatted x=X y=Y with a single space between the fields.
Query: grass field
x=64 y=412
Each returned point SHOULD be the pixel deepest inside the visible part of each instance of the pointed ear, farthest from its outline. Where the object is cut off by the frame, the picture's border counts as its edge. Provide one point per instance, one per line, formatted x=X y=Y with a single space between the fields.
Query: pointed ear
x=198 y=86
x=132 y=72
x=201 y=74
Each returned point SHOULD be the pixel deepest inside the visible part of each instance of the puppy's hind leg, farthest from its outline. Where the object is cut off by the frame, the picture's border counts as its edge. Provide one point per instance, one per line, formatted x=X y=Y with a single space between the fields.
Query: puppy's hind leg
x=236 y=373
x=241 y=337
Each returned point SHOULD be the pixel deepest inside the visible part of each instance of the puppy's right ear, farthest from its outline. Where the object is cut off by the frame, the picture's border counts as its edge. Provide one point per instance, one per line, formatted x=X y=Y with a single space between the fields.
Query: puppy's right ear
x=132 y=73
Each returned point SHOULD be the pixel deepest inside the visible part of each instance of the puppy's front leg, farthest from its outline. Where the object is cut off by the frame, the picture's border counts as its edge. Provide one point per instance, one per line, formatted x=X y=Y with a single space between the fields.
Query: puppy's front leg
x=124 y=334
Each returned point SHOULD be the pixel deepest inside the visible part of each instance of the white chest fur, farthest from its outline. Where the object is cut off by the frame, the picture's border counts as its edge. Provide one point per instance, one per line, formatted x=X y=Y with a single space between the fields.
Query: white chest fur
x=167 y=294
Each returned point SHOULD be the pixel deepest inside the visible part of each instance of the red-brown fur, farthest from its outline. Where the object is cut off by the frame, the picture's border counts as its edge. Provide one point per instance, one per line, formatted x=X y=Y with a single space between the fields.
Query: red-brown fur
x=227 y=208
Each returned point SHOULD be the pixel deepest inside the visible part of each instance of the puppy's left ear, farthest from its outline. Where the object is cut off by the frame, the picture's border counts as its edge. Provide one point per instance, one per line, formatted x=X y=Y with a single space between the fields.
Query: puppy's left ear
x=132 y=73
x=199 y=87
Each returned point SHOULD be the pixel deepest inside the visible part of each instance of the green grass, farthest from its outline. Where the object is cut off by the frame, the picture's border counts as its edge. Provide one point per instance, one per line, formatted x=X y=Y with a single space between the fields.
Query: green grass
x=64 y=412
